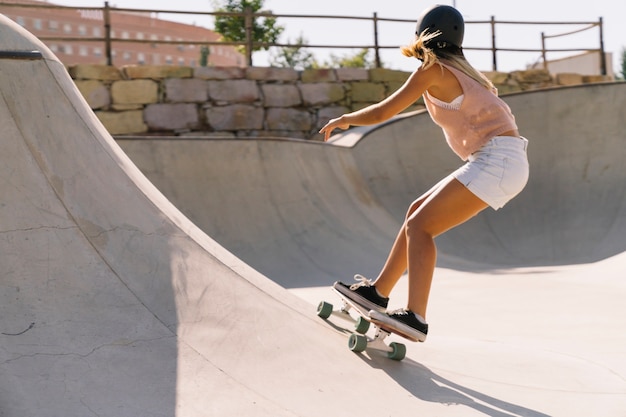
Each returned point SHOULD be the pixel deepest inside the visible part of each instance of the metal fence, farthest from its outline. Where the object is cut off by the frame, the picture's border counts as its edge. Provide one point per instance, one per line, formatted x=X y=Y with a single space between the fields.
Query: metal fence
x=250 y=45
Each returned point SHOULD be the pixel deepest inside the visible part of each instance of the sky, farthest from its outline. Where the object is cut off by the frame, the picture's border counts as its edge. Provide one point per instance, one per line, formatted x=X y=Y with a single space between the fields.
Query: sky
x=355 y=32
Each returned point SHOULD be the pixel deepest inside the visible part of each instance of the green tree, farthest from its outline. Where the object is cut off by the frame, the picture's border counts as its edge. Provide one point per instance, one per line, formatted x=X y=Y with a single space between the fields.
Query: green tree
x=233 y=28
x=296 y=56
x=359 y=60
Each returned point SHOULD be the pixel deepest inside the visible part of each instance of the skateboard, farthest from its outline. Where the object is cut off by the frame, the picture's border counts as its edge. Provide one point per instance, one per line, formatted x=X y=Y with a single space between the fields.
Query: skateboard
x=359 y=341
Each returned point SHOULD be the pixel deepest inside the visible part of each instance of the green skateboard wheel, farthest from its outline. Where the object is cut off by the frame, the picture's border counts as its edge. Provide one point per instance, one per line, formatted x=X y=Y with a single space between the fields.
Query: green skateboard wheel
x=398 y=351
x=361 y=326
x=324 y=309
x=357 y=342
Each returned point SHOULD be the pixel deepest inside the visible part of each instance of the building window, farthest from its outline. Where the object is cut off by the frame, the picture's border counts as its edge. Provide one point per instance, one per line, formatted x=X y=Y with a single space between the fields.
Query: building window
x=68 y=50
x=38 y=24
x=140 y=36
x=141 y=58
x=67 y=28
x=97 y=52
x=96 y=32
x=82 y=30
x=20 y=21
x=125 y=35
x=83 y=51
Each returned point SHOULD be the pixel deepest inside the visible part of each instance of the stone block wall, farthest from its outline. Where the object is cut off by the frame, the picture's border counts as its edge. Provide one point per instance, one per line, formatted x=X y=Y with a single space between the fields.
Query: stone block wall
x=251 y=102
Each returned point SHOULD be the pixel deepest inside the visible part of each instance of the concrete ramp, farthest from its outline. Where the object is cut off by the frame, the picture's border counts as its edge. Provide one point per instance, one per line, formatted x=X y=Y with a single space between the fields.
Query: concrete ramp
x=573 y=209
x=113 y=303
x=308 y=213
x=299 y=212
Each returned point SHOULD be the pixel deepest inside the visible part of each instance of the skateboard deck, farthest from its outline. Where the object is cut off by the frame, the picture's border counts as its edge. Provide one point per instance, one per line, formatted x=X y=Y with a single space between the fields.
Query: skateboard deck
x=359 y=341
x=378 y=319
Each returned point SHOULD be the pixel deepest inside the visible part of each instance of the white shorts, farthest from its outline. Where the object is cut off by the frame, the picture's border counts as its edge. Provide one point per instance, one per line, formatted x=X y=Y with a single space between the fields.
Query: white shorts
x=497 y=172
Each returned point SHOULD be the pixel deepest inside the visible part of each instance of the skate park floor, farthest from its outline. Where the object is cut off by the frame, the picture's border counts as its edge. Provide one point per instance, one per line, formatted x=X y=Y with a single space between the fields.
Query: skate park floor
x=180 y=277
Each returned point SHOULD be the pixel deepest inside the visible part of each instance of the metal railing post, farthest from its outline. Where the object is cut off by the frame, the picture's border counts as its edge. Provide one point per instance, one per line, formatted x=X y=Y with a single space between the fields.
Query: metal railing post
x=249 y=37
x=376 y=46
x=107 y=34
x=494 y=60
x=543 y=51
x=602 y=54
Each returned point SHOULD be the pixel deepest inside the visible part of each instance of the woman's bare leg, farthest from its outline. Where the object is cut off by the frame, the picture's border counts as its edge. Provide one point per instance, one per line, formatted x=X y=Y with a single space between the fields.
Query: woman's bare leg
x=396 y=264
x=447 y=205
x=450 y=206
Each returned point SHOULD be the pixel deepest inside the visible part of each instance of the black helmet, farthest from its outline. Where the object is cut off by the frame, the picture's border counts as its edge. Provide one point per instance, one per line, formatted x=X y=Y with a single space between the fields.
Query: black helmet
x=445 y=19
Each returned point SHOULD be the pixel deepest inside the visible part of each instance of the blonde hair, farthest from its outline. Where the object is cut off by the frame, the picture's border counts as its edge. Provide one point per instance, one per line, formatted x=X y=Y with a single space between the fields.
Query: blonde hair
x=451 y=54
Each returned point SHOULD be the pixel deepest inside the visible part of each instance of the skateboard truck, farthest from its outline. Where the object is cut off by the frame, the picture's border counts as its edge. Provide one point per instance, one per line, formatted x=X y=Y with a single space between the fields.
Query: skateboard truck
x=359 y=341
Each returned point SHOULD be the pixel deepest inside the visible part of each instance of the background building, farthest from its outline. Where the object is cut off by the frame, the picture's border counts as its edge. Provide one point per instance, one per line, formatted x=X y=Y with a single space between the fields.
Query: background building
x=75 y=26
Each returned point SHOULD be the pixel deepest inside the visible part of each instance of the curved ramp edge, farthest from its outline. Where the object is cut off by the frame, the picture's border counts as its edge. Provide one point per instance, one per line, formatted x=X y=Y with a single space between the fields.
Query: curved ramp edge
x=113 y=303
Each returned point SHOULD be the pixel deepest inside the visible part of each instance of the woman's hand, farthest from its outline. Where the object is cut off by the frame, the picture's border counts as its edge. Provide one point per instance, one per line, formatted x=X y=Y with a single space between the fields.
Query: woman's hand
x=333 y=124
x=411 y=90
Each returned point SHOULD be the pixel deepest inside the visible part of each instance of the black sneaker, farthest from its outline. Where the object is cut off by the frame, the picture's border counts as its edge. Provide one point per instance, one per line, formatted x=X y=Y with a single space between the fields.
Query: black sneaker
x=363 y=293
x=407 y=322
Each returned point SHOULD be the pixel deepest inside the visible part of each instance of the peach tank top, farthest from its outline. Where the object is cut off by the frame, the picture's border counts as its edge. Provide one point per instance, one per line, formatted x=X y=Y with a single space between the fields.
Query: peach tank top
x=480 y=116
